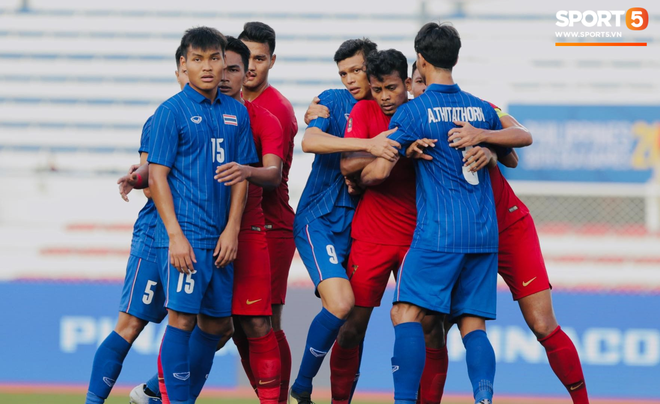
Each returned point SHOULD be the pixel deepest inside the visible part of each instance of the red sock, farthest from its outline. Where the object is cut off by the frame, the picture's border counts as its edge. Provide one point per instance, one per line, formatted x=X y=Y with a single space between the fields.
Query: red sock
x=564 y=361
x=434 y=376
x=285 y=359
x=243 y=346
x=265 y=363
x=344 y=365
x=161 y=383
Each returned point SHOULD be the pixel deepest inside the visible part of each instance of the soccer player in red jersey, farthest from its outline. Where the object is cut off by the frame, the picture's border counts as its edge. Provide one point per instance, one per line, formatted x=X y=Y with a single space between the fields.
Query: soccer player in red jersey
x=260 y=39
x=521 y=265
x=251 y=306
x=378 y=247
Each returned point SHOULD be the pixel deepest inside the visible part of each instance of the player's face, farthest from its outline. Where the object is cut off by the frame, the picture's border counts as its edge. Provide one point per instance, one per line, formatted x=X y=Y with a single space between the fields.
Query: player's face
x=418 y=85
x=181 y=77
x=353 y=74
x=233 y=75
x=390 y=93
x=204 y=69
x=260 y=63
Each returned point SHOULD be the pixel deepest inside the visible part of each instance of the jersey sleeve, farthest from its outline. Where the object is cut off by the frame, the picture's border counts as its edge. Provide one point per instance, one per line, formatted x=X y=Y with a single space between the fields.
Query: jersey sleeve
x=357 y=126
x=146 y=134
x=247 y=152
x=272 y=136
x=324 y=123
x=496 y=124
x=406 y=132
x=164 y=140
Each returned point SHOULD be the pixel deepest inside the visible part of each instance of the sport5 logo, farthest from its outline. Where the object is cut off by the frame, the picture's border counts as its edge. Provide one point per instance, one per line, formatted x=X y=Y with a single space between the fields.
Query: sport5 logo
x=637 y=18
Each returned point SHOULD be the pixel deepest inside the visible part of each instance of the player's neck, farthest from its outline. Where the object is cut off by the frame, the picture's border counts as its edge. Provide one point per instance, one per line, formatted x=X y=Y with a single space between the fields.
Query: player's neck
x=210 y=94
x=238 y=97
x=438 y=76
x=250 y=94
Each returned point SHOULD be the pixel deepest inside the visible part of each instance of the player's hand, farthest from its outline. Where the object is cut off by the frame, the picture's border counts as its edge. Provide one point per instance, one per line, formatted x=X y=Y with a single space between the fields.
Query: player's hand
x=417 y=149
x=477 y=158
x=465 y=135
x=226 y=248
x=382 y=146
x=232 y=173
x=133 y=168
x=353 y=188
x=316 y=110
x=182 y=256
x=126 y=185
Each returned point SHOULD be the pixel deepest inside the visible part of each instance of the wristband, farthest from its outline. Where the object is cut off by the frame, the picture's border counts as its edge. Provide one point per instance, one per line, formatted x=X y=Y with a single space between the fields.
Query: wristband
x=138 y=183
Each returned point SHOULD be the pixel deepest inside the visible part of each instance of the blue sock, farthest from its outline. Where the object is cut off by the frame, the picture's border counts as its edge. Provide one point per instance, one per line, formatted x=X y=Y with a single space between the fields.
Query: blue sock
x=106 y=367
x=480 y=359
x=174 y=354
x=322 y=334
x=202 y=351
x=153 y=386
x=408 y=361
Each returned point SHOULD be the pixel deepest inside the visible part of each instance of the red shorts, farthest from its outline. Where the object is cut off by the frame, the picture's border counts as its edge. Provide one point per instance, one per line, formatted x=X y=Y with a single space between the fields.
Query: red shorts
x=281 y=252
x=521 y=263
x=252 y=276
x=369 y=268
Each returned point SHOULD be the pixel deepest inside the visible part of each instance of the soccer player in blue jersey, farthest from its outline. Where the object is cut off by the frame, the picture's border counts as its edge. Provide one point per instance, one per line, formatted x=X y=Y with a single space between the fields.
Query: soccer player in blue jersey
x=322 y=224
x=451 y=267
x=142 y=295
x=192 y=134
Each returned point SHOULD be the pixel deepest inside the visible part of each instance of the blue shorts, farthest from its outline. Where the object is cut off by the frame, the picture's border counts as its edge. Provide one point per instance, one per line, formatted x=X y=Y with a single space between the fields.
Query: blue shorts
x=324 y=245
x=208 y=291
x=454 y=284
x=143 y=296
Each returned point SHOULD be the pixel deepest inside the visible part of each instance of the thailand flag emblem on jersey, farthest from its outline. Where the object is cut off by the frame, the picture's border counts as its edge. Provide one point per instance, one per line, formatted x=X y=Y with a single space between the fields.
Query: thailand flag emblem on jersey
x=230 y=119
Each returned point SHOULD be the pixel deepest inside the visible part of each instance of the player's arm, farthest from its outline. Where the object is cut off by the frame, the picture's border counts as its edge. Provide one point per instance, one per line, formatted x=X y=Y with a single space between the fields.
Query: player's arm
x=376 y=172
x=318 y=142
x=181 y=252
x=227 y=246
x=316 y=110
x=514 y=134
x=269 y=176
x=352 y=163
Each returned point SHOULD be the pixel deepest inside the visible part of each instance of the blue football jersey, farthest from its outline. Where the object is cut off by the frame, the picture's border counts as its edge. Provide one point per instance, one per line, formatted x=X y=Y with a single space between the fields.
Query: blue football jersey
x=142 y=243
x=325 y=187
x=455 y=208
x=193 y=137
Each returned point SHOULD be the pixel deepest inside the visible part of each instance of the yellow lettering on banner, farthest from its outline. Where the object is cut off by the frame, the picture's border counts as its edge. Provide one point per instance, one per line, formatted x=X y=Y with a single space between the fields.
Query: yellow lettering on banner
x=647 y=152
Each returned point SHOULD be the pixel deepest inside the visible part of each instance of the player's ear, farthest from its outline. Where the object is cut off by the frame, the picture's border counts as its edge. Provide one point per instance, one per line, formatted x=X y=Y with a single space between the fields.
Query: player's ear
x=272 y=61
x=408 y=84
x=182 y=63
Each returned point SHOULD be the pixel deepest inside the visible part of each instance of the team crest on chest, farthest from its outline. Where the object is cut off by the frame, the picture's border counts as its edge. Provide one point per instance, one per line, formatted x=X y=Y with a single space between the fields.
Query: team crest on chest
x=196 y=119
x=350 y=124
x=230 y=119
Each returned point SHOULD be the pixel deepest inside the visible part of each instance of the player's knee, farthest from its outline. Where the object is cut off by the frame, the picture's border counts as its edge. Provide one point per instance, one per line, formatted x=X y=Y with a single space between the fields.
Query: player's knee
x=255 y=327
x=434 y=335
x=131 y=328
x=542 y=326
x=406 y=313
x=350 y=336
x=340 y=309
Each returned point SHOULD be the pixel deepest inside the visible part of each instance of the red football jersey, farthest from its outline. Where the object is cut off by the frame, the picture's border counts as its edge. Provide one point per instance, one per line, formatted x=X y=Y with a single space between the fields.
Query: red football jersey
x=508 y=206
x=279 y=214
x=387 y=213
x=267 y=134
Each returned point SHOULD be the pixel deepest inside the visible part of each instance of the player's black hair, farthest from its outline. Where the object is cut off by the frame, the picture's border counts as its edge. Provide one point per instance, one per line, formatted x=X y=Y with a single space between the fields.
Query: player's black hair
x=256 y=31
x=177 y=56
x=382 y=63
x=439 y=44
x=203 y=38
x=413 y=69
x=236 y=45
x=352 y=47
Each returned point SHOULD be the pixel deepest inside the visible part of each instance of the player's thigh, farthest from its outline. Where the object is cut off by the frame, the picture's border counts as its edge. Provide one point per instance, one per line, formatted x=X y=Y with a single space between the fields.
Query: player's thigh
x=184 y=292
x=143 y=295
x=475 y=292
x=426 y=279
x=521 y=263
x=252 y=285
x=369 y=268
x=281 y=252
x=323 y=251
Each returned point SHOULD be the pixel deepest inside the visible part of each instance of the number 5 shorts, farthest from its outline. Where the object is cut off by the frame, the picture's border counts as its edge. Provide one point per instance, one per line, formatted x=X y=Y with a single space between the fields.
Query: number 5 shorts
x=143 y=295
x=208 y=291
